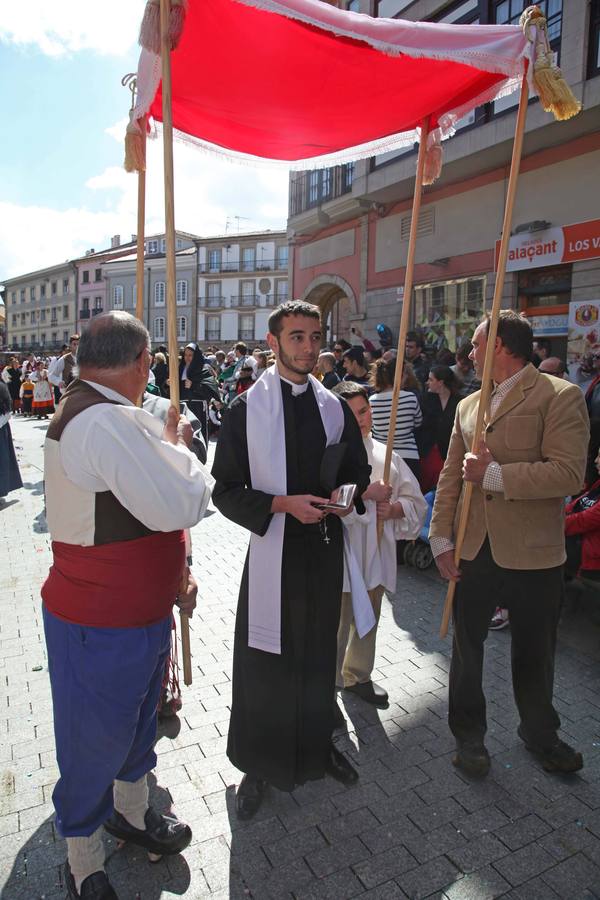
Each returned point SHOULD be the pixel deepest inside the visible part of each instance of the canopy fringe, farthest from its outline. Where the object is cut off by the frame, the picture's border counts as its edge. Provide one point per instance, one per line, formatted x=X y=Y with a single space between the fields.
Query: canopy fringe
x=150 y=27
x=555 y=94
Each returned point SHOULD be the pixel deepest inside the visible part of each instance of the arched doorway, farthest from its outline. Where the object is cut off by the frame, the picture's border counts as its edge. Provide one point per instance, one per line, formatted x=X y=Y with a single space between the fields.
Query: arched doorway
x=337 y=302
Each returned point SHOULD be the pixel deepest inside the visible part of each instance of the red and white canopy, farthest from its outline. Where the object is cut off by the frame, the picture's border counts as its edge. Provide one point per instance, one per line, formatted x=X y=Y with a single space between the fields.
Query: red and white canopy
x=307 y=84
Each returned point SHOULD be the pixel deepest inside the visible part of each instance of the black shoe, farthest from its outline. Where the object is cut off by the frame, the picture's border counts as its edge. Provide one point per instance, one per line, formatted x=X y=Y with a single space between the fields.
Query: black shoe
x=560 y=757
x=249 y=796
x=339 y=767
x=94 y=887
x=472 y=758
x=162 y=836
x=370 y=693
x=339 y=719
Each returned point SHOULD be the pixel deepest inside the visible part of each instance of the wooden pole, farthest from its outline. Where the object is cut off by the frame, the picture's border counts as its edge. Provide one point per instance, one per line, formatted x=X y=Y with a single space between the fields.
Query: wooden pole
x=486 y=381
x=141 y=228
x=406 y=304
x=171 y=270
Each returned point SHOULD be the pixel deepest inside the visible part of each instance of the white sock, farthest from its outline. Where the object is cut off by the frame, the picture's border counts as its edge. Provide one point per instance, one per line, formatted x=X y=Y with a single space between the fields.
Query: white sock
x=131 y=800
x=86 y=856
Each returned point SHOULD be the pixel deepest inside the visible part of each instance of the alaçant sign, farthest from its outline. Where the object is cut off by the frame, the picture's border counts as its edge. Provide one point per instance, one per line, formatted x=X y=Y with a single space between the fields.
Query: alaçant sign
x=553 y=246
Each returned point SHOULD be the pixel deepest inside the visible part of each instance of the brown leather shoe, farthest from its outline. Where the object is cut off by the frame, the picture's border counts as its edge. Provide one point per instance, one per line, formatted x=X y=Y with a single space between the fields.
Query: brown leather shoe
x=472 y=758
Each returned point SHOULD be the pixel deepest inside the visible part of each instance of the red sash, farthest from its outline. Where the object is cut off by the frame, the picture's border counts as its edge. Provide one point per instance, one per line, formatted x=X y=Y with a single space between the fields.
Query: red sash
x=127 y=584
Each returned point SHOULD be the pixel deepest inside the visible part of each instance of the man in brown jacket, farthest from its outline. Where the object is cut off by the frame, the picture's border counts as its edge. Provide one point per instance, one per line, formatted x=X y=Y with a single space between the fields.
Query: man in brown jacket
x=532 y=455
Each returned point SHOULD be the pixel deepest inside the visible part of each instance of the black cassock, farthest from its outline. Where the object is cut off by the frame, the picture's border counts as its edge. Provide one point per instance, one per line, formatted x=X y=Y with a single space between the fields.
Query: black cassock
x=282 y=709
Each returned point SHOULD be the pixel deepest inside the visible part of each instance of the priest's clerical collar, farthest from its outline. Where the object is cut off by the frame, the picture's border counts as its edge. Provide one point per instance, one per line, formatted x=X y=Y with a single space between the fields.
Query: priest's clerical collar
x=296 y=388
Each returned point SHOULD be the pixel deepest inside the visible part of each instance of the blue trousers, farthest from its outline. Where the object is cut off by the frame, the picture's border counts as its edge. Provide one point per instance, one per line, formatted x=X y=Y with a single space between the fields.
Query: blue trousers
x=106 y=685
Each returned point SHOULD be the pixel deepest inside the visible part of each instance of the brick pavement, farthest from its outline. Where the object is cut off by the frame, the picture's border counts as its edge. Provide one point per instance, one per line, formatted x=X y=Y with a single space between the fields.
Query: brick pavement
x=412 y=827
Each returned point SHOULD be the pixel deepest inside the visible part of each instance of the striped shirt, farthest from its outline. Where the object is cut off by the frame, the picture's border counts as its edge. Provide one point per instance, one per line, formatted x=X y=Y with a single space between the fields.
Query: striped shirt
x=408 y=418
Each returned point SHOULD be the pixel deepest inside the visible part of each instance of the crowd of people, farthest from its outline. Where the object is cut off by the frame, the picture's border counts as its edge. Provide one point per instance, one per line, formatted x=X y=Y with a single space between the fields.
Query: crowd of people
x=299 y=463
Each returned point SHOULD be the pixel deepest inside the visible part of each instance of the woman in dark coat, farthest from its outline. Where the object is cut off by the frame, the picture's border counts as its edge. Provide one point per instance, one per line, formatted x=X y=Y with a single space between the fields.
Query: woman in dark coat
x=13 y=380
x=439 y=407
x=10 y=477
x=197 y=383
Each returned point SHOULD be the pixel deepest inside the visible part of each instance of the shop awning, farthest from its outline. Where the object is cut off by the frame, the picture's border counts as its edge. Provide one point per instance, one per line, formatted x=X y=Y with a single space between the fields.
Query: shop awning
x=307 y=84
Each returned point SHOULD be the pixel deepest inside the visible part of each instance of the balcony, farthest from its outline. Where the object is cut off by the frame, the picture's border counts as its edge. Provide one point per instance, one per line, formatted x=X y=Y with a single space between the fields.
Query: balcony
x=97 y=311
x=213 y=302
x=213 y=334
x=84 y=313
x=253 y=300
x=246 y=334
x=242 y=265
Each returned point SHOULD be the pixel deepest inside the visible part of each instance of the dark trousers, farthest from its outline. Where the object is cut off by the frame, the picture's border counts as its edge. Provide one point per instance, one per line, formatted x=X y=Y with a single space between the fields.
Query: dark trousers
x=533 y=598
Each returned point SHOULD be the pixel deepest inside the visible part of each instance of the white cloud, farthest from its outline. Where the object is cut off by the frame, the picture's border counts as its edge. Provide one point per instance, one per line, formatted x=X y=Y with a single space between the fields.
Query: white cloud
x=209 y=192
x=58 y=27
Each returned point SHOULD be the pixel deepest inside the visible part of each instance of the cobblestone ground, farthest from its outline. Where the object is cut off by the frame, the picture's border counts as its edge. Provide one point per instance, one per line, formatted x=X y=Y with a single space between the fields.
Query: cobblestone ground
x=412 y=827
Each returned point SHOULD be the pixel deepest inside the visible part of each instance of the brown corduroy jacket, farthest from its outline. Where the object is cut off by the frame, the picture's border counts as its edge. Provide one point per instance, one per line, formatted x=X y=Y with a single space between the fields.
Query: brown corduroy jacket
x=539 y=434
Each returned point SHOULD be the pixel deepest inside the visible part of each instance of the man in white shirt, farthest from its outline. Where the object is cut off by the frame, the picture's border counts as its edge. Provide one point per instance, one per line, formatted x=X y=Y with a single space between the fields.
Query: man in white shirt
x=120 y=489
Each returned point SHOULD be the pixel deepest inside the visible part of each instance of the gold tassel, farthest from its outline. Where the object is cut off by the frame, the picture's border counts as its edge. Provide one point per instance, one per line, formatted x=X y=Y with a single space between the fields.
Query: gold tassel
x=432 y=167
x=555 y=94
x=176 y=21
x=150 y=28
x=135 y=145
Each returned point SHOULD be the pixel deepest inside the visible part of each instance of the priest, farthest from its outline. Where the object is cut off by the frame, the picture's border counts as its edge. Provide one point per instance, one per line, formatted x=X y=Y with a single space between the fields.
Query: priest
x=284 y=446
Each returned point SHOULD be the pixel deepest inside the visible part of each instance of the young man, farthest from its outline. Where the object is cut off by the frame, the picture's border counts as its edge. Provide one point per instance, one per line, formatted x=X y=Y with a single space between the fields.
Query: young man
x=534 y=455
x=414 y=351
x=402 y=508
x=278 y=458
x=354 y=365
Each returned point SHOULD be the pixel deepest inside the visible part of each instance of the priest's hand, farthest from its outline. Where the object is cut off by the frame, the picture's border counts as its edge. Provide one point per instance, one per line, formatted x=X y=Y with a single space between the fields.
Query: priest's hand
x=378 y=491
x=177 y=429
x=387 y=510
x=301 y=506
x=447 y=567
x=188 y=590
x=475 y=464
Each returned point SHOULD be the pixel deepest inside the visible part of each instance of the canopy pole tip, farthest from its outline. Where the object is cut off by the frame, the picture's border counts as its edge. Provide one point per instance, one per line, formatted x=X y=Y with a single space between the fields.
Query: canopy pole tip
x=555 y=94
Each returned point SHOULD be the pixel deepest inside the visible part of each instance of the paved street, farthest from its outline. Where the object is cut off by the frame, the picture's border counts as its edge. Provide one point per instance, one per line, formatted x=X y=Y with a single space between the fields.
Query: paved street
x=412 y=827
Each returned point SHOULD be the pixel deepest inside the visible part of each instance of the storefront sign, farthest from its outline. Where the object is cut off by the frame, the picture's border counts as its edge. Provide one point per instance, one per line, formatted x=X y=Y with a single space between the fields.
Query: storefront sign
x=584 y=329
x=549 y=326
x=553 y=246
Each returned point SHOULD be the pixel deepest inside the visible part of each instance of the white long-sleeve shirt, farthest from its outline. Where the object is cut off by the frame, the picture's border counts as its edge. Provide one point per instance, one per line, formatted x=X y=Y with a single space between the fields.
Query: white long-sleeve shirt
x=377 y=560
x=120 y=448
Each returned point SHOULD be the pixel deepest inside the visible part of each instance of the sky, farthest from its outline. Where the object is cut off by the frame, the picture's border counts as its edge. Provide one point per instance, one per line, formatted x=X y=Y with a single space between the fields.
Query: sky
x=62 y=186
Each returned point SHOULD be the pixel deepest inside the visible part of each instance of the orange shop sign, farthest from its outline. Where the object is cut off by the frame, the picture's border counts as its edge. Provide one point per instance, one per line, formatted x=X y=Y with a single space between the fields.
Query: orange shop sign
x=553 y=246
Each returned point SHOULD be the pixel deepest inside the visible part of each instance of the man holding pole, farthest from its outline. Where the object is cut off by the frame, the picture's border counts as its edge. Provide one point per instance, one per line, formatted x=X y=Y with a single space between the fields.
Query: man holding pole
x=531 y=456
x=120 y=489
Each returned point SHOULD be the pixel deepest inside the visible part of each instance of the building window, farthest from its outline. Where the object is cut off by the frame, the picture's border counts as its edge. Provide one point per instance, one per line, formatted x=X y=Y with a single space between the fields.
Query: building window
x=98 y=304
x=163 y=245
x=282 y=256
x=32 y=316
x=182 y=293
x=248 y=259
x=53 y=316
x=117 y=296
x=65 y=285
x=214 y=260
x=85 y=278
x=448 y=312
x=389 y=9
x=549 y=286
x=213 y=293
x=178 y=244
x=54 y=288
x=42 y=315
x=13 y=296
x=246 y=332
x=22 y=318
x=159 y=329
x=32 y=293
x=309 y=189
x=97 y=274
x=181 y=328
x=213 y=328
x=65 y=337
x=159 y=293
x=43 y=338
x=23 y=339
x=152 y=247
x=247 y=290
x=85 y=304
x=281 y=291
x=32 y=339
x=22 y=295
x=55 y=337
x=14 y=318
